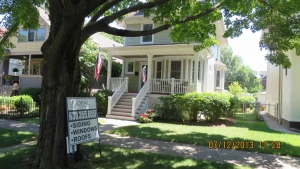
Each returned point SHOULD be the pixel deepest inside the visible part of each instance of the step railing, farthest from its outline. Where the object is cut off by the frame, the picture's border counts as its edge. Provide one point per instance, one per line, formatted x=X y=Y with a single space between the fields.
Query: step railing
x=112 y=100
x=170 y=86
x=139 y=98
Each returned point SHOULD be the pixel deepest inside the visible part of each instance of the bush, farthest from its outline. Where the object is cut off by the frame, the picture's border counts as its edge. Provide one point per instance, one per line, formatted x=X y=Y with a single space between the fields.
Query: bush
x=248 y=101
x=102 y=100
x=214 y=105
x=35 y=93
x=170 y=107
x=235 y=89
x=191 y=105
x=23 y=103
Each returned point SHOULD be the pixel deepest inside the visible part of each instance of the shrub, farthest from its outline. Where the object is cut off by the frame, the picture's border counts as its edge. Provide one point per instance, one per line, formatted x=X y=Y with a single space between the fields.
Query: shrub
x=35 y=93
x=102 y=100
x=170 y=107
x=191 y=104
x=23 y=103
x=248 y=101
x=214 y=105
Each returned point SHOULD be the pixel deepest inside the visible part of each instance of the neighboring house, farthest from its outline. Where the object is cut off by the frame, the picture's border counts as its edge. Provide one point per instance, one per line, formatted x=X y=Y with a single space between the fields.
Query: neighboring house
x=262 y=75
x=169 y=68
x=27 y=55
x=283 y=89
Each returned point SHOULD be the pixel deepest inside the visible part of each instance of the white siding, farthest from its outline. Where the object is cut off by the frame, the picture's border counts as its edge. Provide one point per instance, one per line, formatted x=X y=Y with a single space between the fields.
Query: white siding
x=272 y=88
x=216 y=51
x=295 y=90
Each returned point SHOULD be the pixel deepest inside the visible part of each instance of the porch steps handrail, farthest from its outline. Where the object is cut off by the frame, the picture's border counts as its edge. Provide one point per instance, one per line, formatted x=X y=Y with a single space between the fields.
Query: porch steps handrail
x=139 y=97
x=112 y=100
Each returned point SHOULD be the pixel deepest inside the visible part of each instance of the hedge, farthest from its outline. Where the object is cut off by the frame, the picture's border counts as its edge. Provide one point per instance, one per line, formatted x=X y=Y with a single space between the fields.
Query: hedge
x=35 y=93
x=187 y=106
x=102 y=100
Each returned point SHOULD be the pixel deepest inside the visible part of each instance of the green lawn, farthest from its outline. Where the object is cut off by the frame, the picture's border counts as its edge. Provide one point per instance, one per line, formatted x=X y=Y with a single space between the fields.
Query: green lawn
x=34 y=120
x=243 y=132
x=12 y=137
x=119 y=158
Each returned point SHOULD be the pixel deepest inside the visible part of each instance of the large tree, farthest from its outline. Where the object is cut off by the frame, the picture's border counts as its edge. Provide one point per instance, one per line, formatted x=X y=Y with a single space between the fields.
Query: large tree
x=238 y=72
x=190 y=20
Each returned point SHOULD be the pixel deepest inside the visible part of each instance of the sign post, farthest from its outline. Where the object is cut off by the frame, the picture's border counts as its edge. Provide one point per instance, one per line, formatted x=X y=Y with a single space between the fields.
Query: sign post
x=82 y=119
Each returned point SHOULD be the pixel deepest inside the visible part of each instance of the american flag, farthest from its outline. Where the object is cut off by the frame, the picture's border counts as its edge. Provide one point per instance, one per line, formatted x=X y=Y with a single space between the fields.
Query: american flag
x=98 y=67
x=144 y=74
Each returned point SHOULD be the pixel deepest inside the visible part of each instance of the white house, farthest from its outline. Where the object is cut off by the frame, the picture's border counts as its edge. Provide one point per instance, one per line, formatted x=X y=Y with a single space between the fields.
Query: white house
x=170 y=68
x=283 y=88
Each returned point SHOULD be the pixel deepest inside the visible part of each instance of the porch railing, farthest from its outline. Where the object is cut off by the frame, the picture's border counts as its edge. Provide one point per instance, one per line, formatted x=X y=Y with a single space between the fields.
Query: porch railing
x=112 y=100
x=115 y=83
x=170 y=86
x=139 y=98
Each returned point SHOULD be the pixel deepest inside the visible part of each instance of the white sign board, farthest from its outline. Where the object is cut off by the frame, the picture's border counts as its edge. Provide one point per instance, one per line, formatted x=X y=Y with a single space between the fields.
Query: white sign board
x=82 y=119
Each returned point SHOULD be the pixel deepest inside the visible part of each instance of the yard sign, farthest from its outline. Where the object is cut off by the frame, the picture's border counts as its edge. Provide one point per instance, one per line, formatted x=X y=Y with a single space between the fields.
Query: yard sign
x=82 y=119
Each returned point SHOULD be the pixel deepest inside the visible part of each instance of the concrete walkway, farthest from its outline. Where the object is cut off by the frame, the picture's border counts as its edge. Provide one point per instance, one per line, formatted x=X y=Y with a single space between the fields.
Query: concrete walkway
x=272 y=124
x=256 y=160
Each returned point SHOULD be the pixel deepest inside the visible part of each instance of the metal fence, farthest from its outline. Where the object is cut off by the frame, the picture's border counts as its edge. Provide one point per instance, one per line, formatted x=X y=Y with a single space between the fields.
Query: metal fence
x=258 y=110
x=10 y=108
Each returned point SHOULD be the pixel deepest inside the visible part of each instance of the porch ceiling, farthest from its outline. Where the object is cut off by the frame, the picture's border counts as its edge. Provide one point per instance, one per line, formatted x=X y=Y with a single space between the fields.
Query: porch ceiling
x=155 y=50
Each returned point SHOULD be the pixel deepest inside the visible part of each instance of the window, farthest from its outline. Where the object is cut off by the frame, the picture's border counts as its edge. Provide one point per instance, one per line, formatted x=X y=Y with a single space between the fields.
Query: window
x=129 y=67
x=148 y=38
x=40 y=34
x=199 y=71
x=22 y=36
x=176 y=69
x=32 y=35
x=158 y=70
x=218 y=79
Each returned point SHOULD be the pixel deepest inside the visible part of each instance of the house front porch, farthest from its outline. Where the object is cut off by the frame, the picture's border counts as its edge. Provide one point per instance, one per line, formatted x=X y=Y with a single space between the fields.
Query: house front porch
x=168 y=69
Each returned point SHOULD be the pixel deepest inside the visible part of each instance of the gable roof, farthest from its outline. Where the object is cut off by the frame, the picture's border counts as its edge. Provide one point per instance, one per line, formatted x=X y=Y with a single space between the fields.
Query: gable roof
x=44 y=15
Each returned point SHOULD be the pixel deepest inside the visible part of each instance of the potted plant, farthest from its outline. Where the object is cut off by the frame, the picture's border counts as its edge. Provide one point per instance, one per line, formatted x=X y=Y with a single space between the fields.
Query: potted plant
x=15 y=70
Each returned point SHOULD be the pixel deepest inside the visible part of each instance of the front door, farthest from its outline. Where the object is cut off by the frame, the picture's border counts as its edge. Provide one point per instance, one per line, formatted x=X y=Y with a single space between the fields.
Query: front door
x=141 y=77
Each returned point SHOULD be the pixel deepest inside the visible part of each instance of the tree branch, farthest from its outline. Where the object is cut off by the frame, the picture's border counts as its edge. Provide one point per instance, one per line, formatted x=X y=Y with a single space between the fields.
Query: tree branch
x=92 y=5
x=106 y=7
x=102 y=26
x=111 y=18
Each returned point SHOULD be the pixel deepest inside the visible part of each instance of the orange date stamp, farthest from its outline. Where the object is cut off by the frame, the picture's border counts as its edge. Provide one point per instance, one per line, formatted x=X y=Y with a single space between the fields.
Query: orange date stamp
x=243 y=144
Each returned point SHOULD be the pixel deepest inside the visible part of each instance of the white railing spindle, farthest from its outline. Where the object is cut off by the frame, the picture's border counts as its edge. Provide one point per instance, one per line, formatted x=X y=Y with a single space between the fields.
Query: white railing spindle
x=112 y=100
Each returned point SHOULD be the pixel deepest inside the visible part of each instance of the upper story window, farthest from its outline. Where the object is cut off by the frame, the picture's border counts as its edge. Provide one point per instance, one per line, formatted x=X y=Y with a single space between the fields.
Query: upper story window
x=148 y=38
x=32 y=35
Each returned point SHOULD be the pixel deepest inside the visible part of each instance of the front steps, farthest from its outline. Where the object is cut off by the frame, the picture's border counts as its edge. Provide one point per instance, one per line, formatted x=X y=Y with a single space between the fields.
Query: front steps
x=122 y=109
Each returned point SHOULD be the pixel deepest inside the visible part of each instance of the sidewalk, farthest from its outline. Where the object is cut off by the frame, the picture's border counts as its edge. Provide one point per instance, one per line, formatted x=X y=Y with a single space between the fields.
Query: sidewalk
x=272 y=124
x=256 y=160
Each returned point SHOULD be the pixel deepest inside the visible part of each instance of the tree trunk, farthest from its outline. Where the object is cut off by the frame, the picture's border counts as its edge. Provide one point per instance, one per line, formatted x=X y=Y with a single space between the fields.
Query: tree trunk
x=61 y=77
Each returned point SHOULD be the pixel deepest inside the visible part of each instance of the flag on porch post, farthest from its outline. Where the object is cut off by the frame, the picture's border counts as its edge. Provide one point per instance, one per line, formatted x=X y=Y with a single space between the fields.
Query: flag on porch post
x=144 y=74
x=98 y=67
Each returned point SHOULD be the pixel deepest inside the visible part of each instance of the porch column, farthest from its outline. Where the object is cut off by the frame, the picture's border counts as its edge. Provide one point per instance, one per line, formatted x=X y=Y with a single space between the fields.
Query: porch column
x=123 y=69
x=186 y=69
x=29 y=62
x=109 y=58
x=149 y=71
x=196 y=71
x=165 y=69
x=205 y=71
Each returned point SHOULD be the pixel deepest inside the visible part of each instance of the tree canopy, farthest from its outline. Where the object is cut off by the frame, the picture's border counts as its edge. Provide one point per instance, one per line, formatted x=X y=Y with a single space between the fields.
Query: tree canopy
x=238 y=72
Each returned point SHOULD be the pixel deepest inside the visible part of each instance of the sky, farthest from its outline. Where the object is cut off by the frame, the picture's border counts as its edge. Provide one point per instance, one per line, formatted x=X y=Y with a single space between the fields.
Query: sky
x=247 y=46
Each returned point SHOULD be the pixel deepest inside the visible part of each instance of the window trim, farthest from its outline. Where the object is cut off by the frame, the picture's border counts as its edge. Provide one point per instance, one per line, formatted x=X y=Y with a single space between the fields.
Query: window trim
x=141 y=37
x=126 y=68
x=219 y=87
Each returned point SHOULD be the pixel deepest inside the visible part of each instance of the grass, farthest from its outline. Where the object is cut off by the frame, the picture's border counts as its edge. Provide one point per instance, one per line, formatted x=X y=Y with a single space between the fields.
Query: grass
x=243 y=132
x=119 y=158
x=12 y=137
x=33 y=120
